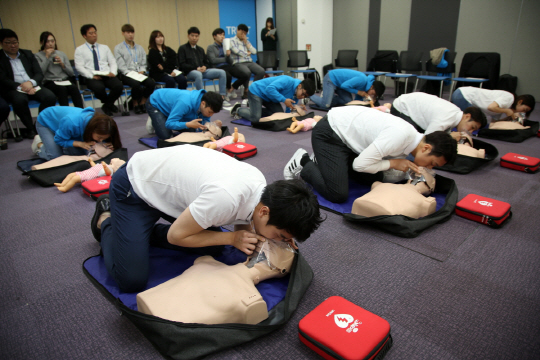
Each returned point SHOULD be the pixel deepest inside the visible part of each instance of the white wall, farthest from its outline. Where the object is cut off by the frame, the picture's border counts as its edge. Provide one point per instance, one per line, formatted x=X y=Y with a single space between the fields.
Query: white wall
x=315 y=28
x=264 y=10
x=395 y=23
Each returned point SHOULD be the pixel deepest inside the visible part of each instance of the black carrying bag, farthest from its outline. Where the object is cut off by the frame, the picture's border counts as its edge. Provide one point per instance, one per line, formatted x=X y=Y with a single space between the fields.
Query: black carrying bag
x=163 y=143
x=466 y=164
x=280 y=125
x=408 y=227
x=514 y=136
x=508 y=83
x=178 y=340
x=47 y=177
x=315 y=77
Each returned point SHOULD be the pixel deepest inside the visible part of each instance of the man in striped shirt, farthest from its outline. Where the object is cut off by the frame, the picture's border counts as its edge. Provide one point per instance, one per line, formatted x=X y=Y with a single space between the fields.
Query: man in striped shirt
x=241 y=50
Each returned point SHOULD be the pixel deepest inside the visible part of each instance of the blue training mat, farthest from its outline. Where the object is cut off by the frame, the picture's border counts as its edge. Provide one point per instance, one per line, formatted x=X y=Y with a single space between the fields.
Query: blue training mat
x=150 y=141
x=357 y=190
x=166 y=264
x=243 y=122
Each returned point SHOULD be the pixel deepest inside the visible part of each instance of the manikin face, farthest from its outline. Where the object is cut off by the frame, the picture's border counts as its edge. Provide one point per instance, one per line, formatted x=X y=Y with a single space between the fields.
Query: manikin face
x=160 y=39
x=219 y=38
x=214 y=128
x=468 y=124
x=129 y=36
x=193 y=39
x=91 y=35
x=50 y=44
x=423 y=158
x=10 y=46
x=520 y=107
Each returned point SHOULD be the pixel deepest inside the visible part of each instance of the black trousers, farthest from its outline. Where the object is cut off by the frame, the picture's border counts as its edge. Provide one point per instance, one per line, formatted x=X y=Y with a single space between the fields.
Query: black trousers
x=99 y=88
x=330 y=175
x=139 y=89
x=4 y=110
x=63 y=92
x=241 y=77
x=19 y=101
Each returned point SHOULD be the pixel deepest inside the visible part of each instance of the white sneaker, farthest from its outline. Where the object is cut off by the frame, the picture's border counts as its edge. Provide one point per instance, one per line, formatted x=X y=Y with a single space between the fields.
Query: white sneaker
x=35 y=149
x=312 y=157
x=245 y=102
x=293 y=168
x=393 y=176
x=226 y=103
x=149 y=126
x=232 y=95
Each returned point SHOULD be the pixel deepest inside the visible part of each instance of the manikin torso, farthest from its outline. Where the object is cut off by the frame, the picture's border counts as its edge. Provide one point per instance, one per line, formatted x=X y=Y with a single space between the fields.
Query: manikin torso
x=507 y=125
x=210 y=292
x=100 y=152
x=397 y=199
x=214 y=130
x=467 y=150
x=282 y=115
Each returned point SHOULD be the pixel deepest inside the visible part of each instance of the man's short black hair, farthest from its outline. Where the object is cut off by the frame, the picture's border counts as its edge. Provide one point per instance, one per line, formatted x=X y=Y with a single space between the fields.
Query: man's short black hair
x=7 y=33
x=379 y=88
x=293 y=208
x=243 y=27
x=442 y=144
x=526 y=99
x=213 y=100
x=218 y=31
x=476 y=115
x=86 y=27
x=193 y=30
x=309 y=86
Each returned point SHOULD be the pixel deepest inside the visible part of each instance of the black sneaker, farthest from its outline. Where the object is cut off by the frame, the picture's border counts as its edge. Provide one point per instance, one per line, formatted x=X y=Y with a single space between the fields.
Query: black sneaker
x=106 y=110
x=235 y=108
x=114 y=108
x=103 y=204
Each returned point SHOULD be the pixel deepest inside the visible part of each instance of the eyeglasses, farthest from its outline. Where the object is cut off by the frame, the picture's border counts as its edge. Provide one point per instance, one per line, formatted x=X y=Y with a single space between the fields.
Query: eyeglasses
x=11 y=43
x=304 y=94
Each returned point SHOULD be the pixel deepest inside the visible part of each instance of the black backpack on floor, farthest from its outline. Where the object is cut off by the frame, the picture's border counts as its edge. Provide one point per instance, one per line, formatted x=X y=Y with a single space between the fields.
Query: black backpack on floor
x=315 y=77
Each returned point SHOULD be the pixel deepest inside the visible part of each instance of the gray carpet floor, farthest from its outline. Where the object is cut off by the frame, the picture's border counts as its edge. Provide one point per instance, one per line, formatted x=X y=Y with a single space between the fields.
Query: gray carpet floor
x=460 y=290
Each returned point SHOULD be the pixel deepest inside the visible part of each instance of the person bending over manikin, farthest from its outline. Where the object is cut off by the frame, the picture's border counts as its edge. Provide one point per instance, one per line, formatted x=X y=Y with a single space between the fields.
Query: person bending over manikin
x=213 y=130
x=210 y=292
x=93 y=173
x=98 y=151
x=232 y=139
x=398 y=199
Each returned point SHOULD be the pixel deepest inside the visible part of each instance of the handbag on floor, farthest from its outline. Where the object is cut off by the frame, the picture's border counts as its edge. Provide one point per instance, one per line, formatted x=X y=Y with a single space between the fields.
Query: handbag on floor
x=519 y=162
x=339 y=329
x=240 y=150
x=97 y=187
x=484 y=210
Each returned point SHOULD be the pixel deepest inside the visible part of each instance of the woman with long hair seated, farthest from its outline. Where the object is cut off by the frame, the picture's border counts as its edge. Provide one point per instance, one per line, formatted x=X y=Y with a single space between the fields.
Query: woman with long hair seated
x=162 y=62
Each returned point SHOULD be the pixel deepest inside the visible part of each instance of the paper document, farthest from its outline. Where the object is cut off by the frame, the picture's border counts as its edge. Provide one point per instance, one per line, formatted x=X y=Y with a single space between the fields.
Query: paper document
x=63 y=83
x=176 y=72
x=136 y=76
x=100 y=73
x=37 y=88
x=272 y=32
x=226 y=44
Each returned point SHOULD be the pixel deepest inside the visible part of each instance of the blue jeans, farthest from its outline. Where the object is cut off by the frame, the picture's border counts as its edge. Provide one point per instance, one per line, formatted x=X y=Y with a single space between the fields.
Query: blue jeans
x=210 y=74
x=127 y=235
x=332 y=95
x=459 y=100
x=50 y=149
x=158 y=122
x=256 y=111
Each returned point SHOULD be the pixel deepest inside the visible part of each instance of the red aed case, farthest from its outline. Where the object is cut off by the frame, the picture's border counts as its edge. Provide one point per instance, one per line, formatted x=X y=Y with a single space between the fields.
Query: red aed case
x=96 y=187
x=519 y=162
x=240 y=150
x=484 y=210
x=339 y=329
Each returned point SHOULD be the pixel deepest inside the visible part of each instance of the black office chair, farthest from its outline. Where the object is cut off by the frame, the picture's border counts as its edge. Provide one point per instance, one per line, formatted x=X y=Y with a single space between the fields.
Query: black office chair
x=450 y=69
x=347 y=59
x=268 y=59
x=384 y=61
x=298 y=59
x=409 y=61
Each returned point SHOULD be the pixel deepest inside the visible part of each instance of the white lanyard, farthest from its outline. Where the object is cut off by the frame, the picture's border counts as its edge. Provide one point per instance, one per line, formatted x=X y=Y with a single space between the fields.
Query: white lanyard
x=127 y=47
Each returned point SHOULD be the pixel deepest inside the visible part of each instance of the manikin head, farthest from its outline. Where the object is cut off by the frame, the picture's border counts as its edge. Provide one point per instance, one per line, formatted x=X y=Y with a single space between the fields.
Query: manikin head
x=271 y=259
x=426 y=184
x=214 y=128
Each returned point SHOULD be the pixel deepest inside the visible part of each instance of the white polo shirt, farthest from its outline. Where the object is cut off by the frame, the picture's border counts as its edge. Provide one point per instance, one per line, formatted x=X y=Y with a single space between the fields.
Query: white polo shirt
x=429 y=112
x=374 y=135
x=482 y=98
x=218 y=189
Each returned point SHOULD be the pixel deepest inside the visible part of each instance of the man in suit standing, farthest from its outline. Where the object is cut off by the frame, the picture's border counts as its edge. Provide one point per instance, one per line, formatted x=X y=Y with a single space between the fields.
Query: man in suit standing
x=92 y=57
x=20 y=80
